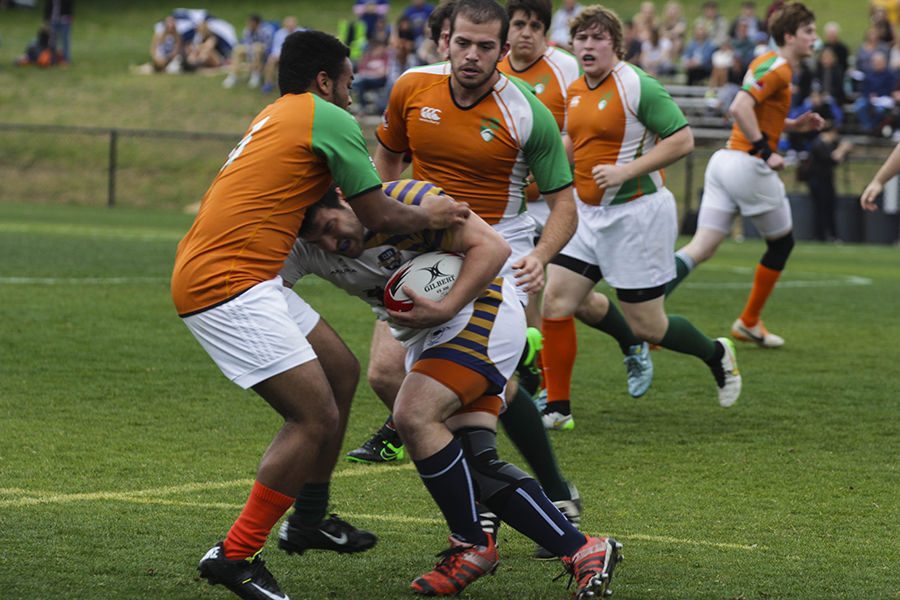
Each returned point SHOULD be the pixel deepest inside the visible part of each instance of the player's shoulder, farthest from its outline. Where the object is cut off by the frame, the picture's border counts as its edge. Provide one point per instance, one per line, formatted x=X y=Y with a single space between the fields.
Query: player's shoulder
x=425 y=74
x=560 y=57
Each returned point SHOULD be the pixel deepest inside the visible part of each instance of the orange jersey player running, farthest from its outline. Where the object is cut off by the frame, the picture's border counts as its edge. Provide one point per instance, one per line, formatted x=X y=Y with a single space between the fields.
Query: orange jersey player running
x=624 y=128
x=551 y=71
x=743 y=177
x=227 y=290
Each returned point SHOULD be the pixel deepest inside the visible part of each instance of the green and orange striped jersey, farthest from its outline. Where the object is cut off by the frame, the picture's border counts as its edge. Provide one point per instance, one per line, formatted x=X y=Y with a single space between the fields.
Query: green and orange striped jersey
x=252 y=211
x=550 y=76
x=615 y=123
x=768 y=80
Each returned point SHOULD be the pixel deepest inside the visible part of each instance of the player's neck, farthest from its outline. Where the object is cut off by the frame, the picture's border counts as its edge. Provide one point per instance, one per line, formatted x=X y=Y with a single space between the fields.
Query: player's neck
x=466 y=97
x=594 y=81
x=788 y=54
x=523 y=62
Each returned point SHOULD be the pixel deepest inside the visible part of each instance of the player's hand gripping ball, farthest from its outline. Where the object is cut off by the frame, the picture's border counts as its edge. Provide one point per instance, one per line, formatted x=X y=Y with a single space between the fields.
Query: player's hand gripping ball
x=429 y=275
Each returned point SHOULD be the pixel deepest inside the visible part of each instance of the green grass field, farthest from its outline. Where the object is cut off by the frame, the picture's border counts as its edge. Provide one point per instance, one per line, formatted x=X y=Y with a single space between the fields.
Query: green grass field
x=125 y=454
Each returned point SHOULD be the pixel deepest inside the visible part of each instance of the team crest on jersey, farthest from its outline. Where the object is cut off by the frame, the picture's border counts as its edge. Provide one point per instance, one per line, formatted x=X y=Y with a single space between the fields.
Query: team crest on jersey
x=390 y=259
x=604 y=101
x=576 y=100
x=489 y=126
x=541 y=85
x=430 y=115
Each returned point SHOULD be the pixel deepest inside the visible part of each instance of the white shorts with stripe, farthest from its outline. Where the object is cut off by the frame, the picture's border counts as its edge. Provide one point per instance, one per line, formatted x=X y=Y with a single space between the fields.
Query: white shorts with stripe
x=519 y=234
x=486 y=336
x=258 y=334
x=632 y=243
x=736 y=182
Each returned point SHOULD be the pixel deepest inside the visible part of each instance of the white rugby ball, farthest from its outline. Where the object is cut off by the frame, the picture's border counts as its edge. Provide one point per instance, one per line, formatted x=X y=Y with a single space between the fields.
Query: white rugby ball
x=430 y=275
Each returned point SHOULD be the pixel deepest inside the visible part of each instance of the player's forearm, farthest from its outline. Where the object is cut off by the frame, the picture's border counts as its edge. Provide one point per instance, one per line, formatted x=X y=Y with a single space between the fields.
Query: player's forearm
x=388 y=164
x=890 y=168
x=480 y=267
x=560 y=227
x=666 y=152
x=742 y=112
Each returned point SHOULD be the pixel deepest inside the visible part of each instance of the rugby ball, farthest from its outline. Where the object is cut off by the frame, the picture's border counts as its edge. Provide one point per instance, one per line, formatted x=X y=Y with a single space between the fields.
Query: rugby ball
x=430 y=275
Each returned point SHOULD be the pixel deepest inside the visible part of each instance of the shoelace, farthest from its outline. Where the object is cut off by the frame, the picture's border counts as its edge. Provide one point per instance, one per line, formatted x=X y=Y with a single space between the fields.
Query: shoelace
x=448 y=558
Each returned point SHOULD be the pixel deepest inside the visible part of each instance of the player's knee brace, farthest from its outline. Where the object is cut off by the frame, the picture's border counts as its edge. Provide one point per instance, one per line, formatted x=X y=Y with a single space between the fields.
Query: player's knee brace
x=495 y=479
x=777 y=252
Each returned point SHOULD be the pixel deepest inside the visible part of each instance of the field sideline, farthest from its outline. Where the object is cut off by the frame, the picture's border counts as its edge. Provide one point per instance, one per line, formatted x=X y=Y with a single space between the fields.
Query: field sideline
x=125 y=454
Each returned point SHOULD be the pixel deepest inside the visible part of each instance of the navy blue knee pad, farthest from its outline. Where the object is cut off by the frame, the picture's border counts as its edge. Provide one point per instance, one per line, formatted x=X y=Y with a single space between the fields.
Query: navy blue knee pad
x=777 y=252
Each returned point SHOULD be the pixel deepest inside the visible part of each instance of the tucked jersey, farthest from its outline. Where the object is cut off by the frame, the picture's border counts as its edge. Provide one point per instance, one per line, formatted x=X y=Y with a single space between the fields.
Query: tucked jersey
x=550 y=76
x=768 y=80
x=251 y=213
x=615 y=123
x=482 y=154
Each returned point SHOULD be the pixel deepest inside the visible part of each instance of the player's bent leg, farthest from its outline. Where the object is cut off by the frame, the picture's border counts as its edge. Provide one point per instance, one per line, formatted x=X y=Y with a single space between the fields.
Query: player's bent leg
x=567 y=286
x=385 y=375
x=711 y=232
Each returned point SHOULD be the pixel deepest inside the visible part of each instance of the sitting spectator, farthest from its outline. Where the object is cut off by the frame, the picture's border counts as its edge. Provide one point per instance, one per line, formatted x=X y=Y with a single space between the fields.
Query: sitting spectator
x=870 y=46
x=830 y=75
x=166 y=47
x=369 y=11
x=697 y=57
x=715 y=24
x=727 y=67
x=558 y=35
x=354 y=35
x=894 y=57
x=743 y=42
x=417 y=13
x=370 y=80
x=632 y=43
x=674 y=26
x=832 y=40
x=880 y=22
x=645 y=19
x=39 y=51
x=202 y=51
x=821 y=104
x=756 y=31
x=656 y=54
x=270 y=72
x=876 y=98
x=251 y=53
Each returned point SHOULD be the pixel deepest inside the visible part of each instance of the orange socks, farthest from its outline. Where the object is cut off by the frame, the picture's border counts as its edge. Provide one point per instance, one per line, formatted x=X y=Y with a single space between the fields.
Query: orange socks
x=249 y=533
x=763 y=283
x=558 y=356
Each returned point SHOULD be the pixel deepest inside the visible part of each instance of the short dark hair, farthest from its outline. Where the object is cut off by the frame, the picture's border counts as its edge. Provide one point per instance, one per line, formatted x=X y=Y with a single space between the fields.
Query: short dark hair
x=329 y=200
x=791 y=17
x=304 y=55
x=480 y=12
x=444 y=11
x=542 y=10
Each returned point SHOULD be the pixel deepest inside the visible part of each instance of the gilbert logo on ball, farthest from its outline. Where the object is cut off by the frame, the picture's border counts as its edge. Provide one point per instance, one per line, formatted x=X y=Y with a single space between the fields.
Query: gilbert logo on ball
x=430 y=275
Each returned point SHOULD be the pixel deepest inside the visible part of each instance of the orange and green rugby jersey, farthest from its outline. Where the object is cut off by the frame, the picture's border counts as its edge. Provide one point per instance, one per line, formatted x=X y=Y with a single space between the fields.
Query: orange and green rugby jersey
x=481 y=154
x=251 y=213
x=613 y=124
x=768 y=80
x=550 y=76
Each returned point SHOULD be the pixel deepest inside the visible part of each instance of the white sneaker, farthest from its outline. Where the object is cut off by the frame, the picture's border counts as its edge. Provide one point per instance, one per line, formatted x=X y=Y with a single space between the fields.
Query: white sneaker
x=229 y=81
x=758 y=334
x=728 y=378
x=254 y=81
x=639 y=366
x=558 y=421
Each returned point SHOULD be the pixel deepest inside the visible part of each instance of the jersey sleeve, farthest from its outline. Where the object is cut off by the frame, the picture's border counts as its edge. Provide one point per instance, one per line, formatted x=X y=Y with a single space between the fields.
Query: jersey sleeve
x=391 y=133
x=764 y=81
x=336 y=137
x=544 y=149
x=294 y=267
x=657 y=110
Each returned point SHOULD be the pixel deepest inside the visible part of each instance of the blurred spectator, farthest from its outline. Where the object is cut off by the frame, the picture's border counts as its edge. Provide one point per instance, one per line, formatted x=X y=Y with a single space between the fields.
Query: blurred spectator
x=166 y=48
x=251 y=53
x=369 y=11
x=645 y=19
x=804 y=74
x=890 y=8
x=832 y=40
x=821 y=104
x=716 y=24
x=830 y=76
x=743 y=42
x=558 y=35
x=434 y=48
x=632 y=43
x=870 y=46
x=354 y=34
x=58 y=17
x=370 y=79
x=674 y=26
x=202 y=51
x=755 y=29
x=876 y=96
x=39 y=51
x=826 y=152
x=656 y=54
x=697 y=57
x=727 y=67
x=418 y=12
x=270 y=76
x=880 y=22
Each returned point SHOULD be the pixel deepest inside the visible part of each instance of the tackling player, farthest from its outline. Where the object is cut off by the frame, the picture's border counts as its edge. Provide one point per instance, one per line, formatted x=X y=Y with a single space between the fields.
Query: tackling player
x=226 y=288
x=743 y=177
x=459 y=354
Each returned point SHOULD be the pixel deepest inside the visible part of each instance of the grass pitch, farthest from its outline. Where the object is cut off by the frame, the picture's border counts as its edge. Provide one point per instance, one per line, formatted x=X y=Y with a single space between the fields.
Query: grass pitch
x=124 y=453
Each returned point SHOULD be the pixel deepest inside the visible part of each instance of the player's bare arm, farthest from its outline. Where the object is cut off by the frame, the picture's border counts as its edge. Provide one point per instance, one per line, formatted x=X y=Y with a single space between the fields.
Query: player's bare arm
x=389 y=164
x=485 y=253
x=741 y=110
x=888 y=171
x=666 y=152
x=380 y=213
x=560 y=227
x=808 y=121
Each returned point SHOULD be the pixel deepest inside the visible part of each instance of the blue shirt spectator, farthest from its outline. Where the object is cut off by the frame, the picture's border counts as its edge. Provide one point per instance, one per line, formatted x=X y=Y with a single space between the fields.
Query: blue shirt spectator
x=418 y=12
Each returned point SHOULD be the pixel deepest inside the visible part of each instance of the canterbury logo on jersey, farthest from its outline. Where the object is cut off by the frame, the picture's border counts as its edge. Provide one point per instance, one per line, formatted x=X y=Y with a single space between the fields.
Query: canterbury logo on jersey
x=430 y=115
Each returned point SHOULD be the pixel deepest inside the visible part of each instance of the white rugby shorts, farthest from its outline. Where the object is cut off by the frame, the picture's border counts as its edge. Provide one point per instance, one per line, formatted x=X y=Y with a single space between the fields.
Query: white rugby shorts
x=736 y=181
x=519 y=234
x=258 y=334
